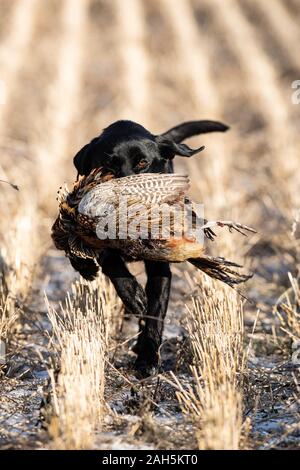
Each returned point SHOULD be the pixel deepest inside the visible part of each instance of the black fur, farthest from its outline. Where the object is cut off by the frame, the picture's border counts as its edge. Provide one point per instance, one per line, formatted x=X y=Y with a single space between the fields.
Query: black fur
x=127 y=148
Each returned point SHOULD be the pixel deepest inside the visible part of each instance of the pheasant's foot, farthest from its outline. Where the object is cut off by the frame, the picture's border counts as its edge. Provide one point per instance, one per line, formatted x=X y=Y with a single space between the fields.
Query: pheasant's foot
x=231 y=226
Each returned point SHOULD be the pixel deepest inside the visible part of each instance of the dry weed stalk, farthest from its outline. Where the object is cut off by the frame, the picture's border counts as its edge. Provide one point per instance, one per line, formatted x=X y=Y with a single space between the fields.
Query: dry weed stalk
x=287 y=307
x=289 y=314
x=19 y=253
x=215 y=326
x=8 y=316
x=82 y=332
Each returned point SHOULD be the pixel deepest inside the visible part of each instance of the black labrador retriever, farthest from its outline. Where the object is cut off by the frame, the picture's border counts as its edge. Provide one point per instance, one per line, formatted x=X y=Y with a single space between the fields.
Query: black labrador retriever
x=127 y=148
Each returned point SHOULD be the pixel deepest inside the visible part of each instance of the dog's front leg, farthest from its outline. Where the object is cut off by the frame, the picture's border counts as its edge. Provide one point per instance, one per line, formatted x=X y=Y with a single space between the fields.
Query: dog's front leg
x=158 y=292
x=128 y=289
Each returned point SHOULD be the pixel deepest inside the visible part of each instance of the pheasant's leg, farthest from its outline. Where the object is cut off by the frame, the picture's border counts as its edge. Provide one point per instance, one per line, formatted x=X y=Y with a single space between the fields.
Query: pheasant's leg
x=128 y=289
x=158 y=292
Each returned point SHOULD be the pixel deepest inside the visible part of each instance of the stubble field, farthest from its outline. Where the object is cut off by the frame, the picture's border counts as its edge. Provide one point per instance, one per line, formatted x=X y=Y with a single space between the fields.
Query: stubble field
x=229 y=367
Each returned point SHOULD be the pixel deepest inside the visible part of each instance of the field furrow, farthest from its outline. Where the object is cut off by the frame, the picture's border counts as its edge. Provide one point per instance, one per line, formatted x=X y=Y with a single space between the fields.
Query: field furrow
x=13 y=50
x=133 y=58
x=260 y=75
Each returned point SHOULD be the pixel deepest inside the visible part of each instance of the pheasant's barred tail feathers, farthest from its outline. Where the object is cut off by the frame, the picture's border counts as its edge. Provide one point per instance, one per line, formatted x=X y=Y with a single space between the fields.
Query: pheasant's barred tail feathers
x=220 y=268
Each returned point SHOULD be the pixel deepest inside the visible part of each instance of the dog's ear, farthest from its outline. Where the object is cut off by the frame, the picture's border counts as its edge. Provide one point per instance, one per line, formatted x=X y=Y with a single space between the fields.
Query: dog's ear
x=168 y=148
x=82 y=159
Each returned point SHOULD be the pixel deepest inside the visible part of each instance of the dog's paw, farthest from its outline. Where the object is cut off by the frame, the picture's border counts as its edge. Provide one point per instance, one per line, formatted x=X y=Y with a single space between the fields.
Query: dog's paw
x=144 y=369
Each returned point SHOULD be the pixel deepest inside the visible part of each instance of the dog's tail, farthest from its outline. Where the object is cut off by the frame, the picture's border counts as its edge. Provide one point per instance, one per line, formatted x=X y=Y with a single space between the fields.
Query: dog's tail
x=188 y=129
x=220 y=268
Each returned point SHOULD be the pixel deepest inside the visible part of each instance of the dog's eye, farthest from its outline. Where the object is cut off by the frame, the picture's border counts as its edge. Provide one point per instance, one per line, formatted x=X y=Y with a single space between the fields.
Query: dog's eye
x=142 y=164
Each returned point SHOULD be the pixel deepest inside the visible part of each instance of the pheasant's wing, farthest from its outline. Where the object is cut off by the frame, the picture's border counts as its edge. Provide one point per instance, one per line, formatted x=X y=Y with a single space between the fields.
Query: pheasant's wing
x=144 y=190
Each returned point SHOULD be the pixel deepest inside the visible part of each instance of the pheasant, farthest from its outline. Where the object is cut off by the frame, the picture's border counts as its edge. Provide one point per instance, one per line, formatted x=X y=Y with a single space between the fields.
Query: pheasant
x=95 y=202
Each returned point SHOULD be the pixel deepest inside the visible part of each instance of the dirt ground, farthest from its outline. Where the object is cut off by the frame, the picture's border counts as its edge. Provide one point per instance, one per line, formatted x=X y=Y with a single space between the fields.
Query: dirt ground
x=68 y=69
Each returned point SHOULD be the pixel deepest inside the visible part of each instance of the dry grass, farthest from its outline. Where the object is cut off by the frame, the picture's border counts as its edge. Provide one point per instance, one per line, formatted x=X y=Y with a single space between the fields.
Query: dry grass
x=19 y=254
x=288 y=311
x=287 y=307
x=82 y=331
x=215 y=403
x=8 y=317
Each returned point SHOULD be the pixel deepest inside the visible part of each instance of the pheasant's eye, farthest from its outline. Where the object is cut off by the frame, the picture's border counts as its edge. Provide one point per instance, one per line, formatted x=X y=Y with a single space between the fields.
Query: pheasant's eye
x=142 y=164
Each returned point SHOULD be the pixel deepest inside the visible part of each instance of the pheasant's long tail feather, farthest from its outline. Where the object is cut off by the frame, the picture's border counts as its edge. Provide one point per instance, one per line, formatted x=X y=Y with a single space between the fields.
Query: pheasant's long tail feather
x=220 y=268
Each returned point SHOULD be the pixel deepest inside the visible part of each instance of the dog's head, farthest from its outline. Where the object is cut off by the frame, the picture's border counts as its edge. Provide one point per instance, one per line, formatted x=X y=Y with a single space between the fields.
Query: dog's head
x=127 y=148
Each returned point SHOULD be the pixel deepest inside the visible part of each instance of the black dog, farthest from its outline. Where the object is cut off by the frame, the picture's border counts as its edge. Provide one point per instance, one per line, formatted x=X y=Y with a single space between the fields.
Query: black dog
x=128 y=148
